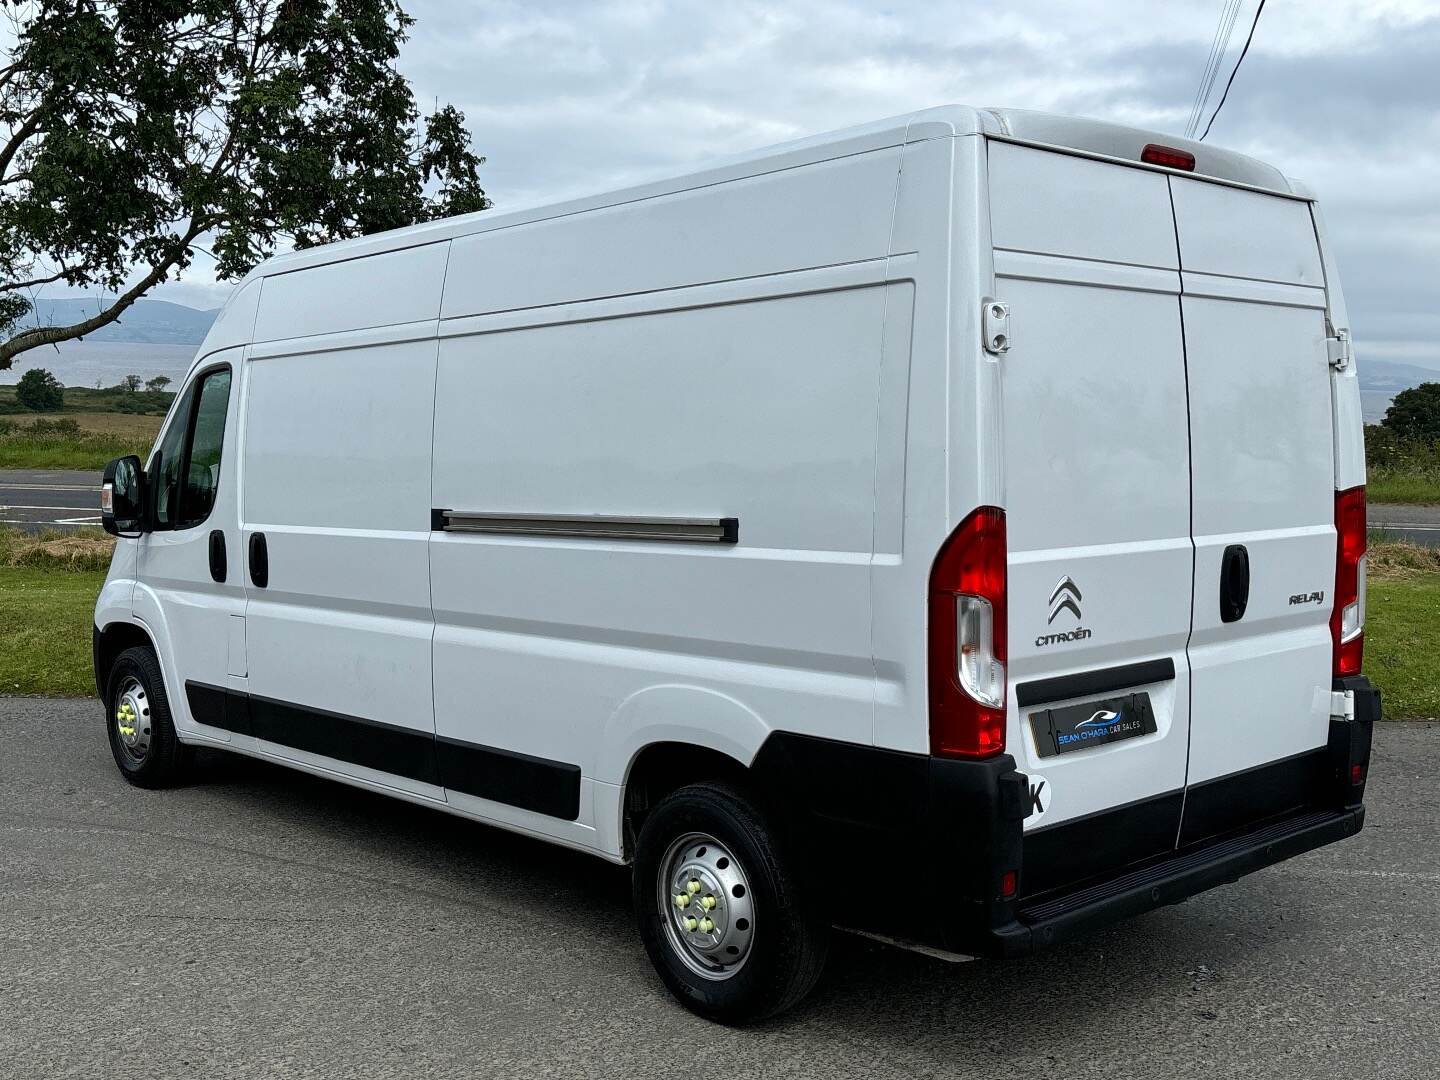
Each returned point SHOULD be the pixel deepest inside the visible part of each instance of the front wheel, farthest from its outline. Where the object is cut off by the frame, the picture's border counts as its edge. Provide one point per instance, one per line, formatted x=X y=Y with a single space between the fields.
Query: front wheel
x=722 y=908
x=137 y=721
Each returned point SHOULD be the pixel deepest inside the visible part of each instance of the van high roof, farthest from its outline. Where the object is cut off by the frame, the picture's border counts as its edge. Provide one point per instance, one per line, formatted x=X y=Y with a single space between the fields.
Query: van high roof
x=1095 y=138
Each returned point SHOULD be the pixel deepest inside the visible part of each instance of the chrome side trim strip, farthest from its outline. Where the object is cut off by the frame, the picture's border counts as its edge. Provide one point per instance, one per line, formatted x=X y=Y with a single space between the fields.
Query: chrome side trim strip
x=691 y=530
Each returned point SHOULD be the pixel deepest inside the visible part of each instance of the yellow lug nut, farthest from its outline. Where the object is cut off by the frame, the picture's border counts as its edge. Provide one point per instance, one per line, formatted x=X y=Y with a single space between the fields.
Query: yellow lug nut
x=691 y=923
x=706 y=925
x=707 y=902
x=682 y=899
x=694 y=886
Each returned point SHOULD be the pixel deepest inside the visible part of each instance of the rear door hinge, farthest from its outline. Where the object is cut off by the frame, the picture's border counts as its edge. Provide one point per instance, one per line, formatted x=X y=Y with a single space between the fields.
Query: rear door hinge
x=1342 y=705
x=996 y=326
x=1338 y=348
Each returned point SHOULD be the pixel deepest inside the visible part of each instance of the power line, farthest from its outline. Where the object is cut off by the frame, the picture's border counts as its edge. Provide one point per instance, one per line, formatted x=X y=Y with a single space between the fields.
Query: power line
x=1224 y=27
x=1248 y=38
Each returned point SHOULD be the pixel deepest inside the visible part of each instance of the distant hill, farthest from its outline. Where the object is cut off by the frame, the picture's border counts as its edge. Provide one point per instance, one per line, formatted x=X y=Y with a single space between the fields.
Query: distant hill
x=155 y=322
x=1381 y=380
x=1391 y=376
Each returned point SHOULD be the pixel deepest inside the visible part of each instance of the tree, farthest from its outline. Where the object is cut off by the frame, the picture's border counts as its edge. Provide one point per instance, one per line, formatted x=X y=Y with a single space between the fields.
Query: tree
x=39 y=391
x=131 y=131
x=1415 y=413
x=157 y=384
x=130 y=384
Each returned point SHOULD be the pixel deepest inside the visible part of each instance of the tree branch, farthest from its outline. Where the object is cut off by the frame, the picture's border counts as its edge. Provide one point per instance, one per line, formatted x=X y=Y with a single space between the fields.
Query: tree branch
x=11 y=286
x=52 y=335
x=17 y=140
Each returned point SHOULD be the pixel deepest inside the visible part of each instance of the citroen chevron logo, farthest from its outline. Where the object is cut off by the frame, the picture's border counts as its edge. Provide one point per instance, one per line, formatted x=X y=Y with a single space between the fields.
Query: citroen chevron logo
x=1066 y=597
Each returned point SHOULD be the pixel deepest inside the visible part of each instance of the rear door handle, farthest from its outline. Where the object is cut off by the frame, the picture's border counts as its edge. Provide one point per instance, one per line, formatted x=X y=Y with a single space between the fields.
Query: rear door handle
x=1234 y=583
x=259 y=561
x=218 y=566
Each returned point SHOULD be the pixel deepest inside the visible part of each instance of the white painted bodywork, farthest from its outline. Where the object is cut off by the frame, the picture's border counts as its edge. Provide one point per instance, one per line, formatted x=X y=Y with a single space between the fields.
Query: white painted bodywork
x=791 y=339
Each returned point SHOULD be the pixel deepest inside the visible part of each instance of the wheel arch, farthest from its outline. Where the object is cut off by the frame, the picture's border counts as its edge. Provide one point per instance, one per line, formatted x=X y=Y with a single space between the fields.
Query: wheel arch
x=112 y=640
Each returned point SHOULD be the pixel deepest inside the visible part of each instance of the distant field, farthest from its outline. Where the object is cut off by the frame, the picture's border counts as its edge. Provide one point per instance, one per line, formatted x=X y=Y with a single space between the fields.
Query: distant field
x=84 y=400
x=73 y=440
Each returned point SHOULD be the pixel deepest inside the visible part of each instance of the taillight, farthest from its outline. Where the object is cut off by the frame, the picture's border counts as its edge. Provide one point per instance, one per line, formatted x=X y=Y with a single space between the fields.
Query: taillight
x=1168 y=156
x=1347 y=620
x=967 y=639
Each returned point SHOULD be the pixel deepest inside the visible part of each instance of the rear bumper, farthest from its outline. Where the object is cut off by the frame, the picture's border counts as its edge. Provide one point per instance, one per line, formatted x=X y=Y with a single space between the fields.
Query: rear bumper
x=1176 y=878
x=926 y=843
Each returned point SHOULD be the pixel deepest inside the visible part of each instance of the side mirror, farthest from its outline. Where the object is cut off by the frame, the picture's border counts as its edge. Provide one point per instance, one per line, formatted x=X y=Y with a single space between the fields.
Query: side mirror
x=122 y=497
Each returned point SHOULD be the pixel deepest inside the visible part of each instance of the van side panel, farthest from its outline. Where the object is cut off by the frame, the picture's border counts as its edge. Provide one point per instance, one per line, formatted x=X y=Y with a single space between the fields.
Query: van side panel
x=761 y=411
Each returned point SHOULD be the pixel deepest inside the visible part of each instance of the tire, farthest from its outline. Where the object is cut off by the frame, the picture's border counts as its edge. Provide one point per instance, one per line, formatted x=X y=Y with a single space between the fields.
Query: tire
x=714 y=835
x=148 y=757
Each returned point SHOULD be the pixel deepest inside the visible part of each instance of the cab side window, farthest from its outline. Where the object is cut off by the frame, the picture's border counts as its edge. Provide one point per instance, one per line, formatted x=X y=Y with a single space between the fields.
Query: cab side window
x=186 y=469
x=202 y=463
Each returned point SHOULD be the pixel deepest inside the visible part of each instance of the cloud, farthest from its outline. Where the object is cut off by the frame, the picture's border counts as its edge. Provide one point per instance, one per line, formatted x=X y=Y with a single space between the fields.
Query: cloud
x=569 y=97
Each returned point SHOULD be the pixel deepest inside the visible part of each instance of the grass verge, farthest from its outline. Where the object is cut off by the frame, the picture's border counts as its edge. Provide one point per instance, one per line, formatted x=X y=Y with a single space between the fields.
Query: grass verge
x=77 y=441
x=48 y=586
x=1408 y=488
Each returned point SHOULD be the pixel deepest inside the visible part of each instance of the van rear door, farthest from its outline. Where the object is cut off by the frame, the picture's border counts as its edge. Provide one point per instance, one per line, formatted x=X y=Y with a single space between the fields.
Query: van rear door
x=1262 y=466
x=1097 y=499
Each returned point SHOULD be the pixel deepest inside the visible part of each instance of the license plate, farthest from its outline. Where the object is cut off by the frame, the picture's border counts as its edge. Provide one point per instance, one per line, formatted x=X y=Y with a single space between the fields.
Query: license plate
x=1095 y=723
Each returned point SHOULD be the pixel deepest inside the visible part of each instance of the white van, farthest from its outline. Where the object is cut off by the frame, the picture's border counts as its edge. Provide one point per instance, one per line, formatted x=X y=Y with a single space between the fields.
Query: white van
x=950 y=529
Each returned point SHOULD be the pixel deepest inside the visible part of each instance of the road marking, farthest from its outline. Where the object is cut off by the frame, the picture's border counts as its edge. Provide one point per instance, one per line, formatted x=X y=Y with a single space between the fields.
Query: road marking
x=49 y=487
x=1410 y=525
x=18 y=506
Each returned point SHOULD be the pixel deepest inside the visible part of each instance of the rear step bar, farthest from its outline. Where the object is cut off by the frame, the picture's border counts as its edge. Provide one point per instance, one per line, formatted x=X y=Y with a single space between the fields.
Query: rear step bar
x=1175 y=878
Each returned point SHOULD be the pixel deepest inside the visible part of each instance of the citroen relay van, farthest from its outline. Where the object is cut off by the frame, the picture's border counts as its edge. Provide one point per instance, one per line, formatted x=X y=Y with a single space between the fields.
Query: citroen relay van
x=951 y=529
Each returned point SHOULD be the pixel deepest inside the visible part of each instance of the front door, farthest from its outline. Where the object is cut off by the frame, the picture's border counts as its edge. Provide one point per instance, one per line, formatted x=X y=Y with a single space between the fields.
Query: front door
x=189 y=563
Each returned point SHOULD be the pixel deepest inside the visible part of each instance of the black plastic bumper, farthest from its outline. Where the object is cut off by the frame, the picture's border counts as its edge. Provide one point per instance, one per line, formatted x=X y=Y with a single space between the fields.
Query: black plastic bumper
x=928 y=843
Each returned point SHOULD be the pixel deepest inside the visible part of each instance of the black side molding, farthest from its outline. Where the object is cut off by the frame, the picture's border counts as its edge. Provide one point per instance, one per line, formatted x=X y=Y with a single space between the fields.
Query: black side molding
x=1100 y=681
x=487 y=772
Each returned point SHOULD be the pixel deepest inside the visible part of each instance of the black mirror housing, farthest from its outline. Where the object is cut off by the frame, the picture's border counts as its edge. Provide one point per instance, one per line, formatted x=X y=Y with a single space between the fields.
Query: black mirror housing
x=122 y=497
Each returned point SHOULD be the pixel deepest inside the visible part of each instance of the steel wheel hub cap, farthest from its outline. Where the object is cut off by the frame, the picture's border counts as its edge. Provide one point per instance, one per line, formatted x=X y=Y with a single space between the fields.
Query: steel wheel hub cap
x=132 y=719
x=709 y=912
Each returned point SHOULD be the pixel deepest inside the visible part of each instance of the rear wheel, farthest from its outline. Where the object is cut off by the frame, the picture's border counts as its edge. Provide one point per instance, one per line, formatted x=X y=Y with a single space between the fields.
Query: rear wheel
x=721 y=906
x=138 y=724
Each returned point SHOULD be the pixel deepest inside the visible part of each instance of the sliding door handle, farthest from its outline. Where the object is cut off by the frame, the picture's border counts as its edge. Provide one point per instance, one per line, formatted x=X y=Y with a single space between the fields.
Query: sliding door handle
x=259 y=561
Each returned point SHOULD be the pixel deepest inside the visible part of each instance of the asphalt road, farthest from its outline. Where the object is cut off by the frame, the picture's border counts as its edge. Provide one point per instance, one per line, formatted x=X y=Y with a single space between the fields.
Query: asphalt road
x=35 y=500
x=1420 y=524
x=264 y=923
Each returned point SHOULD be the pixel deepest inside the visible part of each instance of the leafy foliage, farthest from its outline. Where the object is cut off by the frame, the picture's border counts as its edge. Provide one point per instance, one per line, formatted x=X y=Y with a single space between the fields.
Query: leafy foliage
x=132 y=129
x=1415 y=413
x=40 y=391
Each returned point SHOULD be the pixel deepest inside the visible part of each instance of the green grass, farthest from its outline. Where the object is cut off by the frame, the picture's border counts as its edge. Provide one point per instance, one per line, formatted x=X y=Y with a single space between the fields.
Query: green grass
x=45 y=620
x=48 y=586
x=1402 y=644
x=70 y=442
x=1415 y=487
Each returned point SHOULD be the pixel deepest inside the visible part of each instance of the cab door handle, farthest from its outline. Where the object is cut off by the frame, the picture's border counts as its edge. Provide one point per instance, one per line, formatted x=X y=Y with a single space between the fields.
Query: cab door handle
x=1234 y=583
x=259 y=561
x=218 y=566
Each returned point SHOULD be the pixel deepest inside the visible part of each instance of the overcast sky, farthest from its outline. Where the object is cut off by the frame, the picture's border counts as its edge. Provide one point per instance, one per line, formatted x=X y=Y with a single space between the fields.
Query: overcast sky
x=570 y=98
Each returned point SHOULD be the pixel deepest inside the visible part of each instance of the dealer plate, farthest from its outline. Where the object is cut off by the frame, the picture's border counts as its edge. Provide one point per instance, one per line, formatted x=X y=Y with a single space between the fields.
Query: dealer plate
x=1095 y=723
